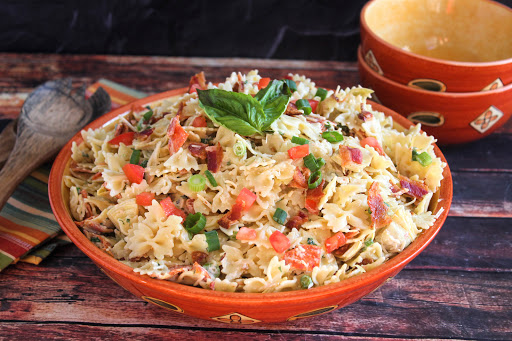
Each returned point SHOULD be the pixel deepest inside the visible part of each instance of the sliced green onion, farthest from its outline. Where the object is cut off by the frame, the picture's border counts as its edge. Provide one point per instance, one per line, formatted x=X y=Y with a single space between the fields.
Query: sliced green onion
x=147 y=116
x=239 y=148
x=195 y=223
x=320 y=162
x=310 y=163
x=134 y=159
x=306 y=282
x=210 y=178
x=314 y=179
x=322 y=93
x=212 y=238
x=144 y=164
x=332 y=136
x=140 y=124
x=280 y=216
x=95 y=240
x=299 y=140
x=303 y=104
x=368 y=242
x=196 y=183
x=424 y=158
x=291 y=84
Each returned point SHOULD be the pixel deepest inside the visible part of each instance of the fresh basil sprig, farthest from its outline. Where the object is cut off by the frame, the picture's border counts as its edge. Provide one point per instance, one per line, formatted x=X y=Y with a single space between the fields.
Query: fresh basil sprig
x=244 y=114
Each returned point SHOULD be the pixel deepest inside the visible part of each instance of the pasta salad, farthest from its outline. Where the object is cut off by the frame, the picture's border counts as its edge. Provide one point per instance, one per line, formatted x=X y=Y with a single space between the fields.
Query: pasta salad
x=254 y=185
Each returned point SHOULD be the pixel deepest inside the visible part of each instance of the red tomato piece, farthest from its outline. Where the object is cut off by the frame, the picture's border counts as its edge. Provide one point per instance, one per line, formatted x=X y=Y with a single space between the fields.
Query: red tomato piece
x=246 y=233
x=126 y=139
x=298 y=151
x=145 y=199
x=134 y=173
x=170 y=209
x=199 y=121
x=288 y=77
x=246 y=198
x=372 y=142
x=334 y=242
x=263 y=83
x=313 y=105
x=279 y=241
x=303 y=257
x=177 y=135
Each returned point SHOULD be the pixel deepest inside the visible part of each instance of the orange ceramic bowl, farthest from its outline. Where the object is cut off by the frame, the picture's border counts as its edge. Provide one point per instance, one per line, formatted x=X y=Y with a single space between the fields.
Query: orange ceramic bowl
x=238 y=308
x=439 y=45
x=449 y=117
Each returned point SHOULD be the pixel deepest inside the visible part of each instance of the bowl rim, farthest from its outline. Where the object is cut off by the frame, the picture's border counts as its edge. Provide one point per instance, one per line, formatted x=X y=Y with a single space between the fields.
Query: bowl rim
x=103 y=260
x=366 y=28
x=421 y=92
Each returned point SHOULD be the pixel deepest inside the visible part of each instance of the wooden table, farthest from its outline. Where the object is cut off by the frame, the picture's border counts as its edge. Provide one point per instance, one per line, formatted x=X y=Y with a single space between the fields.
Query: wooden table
x=459 y=287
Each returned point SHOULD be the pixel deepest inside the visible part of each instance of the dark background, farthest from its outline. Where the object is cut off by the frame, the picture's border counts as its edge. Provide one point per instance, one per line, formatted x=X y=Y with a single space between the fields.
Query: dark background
x=315 y=30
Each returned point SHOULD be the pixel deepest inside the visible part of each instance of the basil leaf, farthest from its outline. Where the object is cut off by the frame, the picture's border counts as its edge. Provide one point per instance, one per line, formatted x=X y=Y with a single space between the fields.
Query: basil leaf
x=274 y=98
x=238 y=112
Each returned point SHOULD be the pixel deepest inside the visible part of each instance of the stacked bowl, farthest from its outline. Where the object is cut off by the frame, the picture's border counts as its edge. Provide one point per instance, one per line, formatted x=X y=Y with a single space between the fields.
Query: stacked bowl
x=446 y=64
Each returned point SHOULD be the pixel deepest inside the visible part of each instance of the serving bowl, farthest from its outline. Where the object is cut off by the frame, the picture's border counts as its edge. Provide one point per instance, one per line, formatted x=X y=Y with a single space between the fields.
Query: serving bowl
x=450 y=117
x=238 y=308
x=439 y=45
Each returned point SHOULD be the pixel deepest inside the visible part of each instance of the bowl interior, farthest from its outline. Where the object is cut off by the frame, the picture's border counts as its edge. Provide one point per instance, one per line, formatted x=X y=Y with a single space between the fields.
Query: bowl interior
x=456 y=30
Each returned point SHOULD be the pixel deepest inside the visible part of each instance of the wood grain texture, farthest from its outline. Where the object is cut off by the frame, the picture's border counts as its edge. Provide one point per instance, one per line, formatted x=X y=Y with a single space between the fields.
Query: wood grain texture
x=458 y=288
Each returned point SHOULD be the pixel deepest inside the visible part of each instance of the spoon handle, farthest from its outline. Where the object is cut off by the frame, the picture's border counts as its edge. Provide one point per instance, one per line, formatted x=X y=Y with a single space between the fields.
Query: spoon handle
x=29 y=152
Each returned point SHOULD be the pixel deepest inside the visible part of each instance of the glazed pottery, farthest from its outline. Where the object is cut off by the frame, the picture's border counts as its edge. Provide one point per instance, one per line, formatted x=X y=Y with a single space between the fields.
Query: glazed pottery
x=439 y=45
x=450 y=117
x=235 y=308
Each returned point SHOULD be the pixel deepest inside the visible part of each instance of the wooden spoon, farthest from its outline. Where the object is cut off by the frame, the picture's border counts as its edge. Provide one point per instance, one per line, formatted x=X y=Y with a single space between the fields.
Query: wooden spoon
x=50 y=116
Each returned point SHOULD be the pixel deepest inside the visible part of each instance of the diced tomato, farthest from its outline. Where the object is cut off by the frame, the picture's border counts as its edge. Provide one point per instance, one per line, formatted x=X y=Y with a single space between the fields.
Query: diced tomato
x=170 y=209
x=279 y=242
x=246 y=233
x=334 y=242
x=199 y=121
x=313 y=197
x=246 y=198
x=214 y=156
x=197 y=81
x=372 y=142
x=126 y=139
x=313 y=105
x=134 y=173
x=263 y=83
x=303 y=257
x=145 y=199
x=177 y=135
x=379 y=210
x=298 y=151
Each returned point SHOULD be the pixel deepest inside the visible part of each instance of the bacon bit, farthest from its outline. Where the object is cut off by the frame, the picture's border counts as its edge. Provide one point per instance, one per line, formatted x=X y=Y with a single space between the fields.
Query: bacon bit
x=198 y=150
x=292 y=110
x=84 y=193
x=197 y=81
x=366 y=261
x=365 y=116
x=299 y=180
x=177 y=135
x=189 y=206
x=313 y=197
x=239 y=86
x=76 y=168
x=96 y=176
x=214 y=155
x=297 y=220
x=121 y=128
x=397 y=191
x=378 y=209
x=415 y=188
x=341 y=250
x=93 y=227
x=198 y=269
x=179 y=269
x=350 y=156
x=351 y=234
x=144 y=135
x=317 y=119
x=232 y=216
x=199 y=257
x=303 y=257
x=180 y=108
x=88 y=210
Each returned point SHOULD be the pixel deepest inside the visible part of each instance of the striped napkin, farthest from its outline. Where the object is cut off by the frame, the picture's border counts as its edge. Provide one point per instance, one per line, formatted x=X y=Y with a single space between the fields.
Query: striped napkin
x=28 y=229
